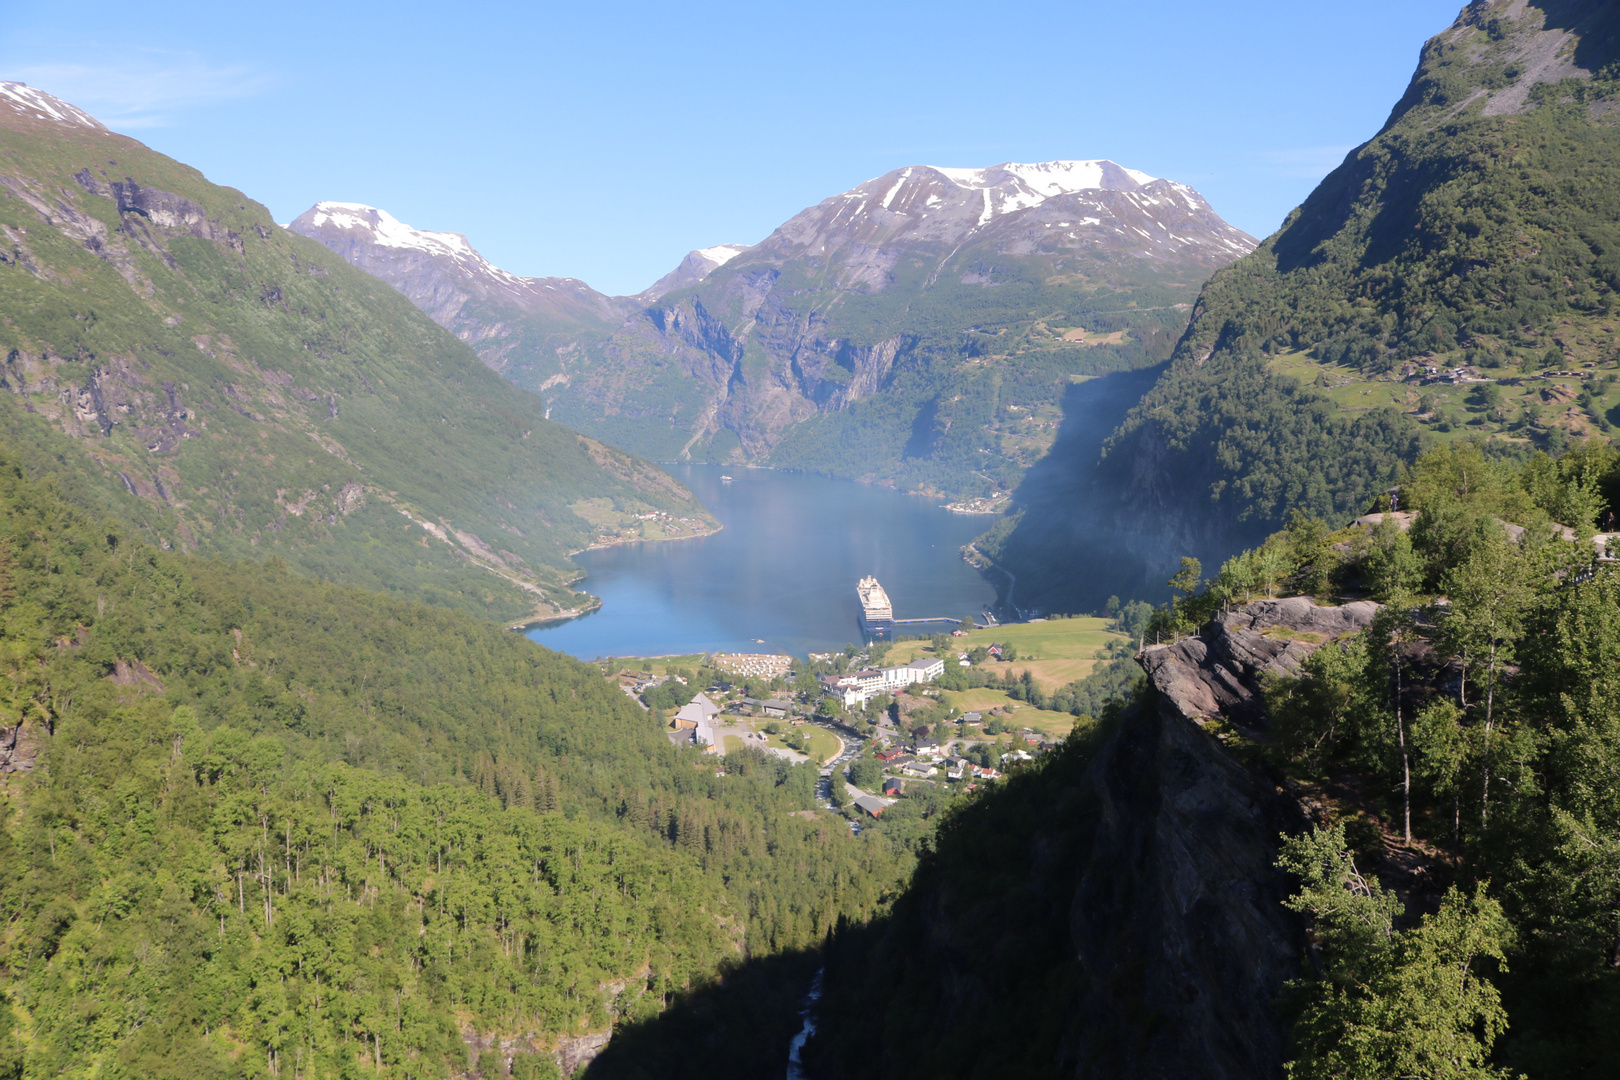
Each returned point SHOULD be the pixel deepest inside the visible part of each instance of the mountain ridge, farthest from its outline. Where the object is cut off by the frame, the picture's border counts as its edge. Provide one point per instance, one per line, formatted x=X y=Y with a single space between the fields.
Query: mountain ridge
x=766 y=355
x=236 y=388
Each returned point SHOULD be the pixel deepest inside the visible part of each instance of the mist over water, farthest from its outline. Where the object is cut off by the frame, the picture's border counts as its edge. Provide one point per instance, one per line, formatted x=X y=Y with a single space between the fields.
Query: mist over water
x=783 y=569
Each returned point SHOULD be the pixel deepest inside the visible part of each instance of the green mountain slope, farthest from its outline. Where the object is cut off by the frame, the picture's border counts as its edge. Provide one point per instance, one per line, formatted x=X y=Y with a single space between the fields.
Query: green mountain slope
x=1454 y=276
x=257 y=825
x=253 y=393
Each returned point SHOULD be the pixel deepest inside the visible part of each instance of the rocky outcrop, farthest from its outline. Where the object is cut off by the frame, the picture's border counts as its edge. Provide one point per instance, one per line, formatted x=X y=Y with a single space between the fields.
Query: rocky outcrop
x=19 y=748
x=1219 y=672
x=1178 y=920
x=1182 y=894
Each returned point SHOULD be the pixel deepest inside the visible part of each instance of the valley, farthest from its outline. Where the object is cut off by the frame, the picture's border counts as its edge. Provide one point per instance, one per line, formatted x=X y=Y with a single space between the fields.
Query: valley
x=413 y=669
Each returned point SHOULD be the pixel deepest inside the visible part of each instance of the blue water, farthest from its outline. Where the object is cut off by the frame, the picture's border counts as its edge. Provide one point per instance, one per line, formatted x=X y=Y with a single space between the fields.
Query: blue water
x=783 y=569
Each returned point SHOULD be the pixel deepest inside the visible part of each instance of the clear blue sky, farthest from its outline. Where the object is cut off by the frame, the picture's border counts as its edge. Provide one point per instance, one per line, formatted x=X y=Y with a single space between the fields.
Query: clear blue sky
x=602 y=141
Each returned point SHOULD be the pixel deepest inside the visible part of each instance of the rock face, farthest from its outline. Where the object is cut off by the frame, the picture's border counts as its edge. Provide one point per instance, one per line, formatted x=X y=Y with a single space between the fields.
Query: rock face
x=1134 y=883
x=1179 y=917
x=1218 y=672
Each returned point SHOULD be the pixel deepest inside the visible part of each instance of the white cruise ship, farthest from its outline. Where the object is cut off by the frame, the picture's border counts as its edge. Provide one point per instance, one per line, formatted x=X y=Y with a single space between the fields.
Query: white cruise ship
x=877 y=614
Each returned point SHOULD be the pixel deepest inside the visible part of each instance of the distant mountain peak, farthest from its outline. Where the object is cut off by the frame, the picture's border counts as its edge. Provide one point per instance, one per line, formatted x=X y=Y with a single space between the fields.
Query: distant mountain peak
x=35 y=104
x=385 y=230
x=721 y=254
x=697 y=265
x=1047 y=177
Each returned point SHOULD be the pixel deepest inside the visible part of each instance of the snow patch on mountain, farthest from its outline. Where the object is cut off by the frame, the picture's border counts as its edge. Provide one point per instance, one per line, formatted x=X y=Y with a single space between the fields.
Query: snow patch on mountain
x=1013 y=186
x=38 y=105
x=383 y=229
x=721 y=254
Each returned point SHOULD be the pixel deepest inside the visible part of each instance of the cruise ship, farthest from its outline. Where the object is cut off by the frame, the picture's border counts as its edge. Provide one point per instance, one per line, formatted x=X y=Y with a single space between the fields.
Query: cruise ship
x=877 y=614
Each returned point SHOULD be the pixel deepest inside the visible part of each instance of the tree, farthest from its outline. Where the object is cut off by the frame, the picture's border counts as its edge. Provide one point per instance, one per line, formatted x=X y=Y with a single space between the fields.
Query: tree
x=1488 y=592
x=1313 y=713
x=1309 y=553
x=1389 y=1003
x=1391 y=630
x=1185 y=582
x=1390 y=565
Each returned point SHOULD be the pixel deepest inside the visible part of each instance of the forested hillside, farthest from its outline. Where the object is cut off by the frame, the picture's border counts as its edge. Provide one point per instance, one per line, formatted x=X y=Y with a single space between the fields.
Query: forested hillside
x=231 y=388
x=265 y=826
x=1455 y=275
x=1432 y=773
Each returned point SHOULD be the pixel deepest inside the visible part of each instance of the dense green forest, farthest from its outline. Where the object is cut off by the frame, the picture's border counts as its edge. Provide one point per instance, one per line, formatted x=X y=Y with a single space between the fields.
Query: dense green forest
x=1470 y=732
x=262 y=825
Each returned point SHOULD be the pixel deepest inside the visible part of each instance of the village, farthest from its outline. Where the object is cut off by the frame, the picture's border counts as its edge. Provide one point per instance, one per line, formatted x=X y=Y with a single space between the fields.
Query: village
x=874 y=721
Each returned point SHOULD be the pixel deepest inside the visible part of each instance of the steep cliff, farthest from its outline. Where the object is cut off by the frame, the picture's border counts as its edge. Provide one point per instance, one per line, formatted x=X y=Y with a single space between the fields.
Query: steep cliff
x=1112 y=912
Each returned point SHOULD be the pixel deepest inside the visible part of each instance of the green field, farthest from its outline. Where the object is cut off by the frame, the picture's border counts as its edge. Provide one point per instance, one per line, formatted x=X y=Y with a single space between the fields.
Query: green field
x=658 y=665
x=983 y=699
x=1056 y=651
x=824 y=745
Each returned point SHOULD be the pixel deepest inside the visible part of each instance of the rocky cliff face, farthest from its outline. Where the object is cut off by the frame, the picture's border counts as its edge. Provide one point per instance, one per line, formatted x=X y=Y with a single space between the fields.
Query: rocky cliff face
x=1118 y=912
x=1218 y=673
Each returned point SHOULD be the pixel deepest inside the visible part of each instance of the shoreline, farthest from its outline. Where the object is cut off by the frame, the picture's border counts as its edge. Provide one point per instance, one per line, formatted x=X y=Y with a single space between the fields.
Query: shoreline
x=641 y=540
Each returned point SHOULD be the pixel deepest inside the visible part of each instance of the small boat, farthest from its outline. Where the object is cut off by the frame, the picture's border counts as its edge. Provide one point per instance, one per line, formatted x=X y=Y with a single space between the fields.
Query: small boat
x=724 y=479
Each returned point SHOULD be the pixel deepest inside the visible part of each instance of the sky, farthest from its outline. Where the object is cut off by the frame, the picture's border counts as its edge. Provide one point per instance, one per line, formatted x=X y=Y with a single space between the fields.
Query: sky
x=603 y=141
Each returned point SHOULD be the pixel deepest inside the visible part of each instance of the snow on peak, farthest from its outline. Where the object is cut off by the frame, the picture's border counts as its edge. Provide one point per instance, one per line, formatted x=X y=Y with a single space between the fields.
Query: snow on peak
x=720 y=254
x=1044 y=178
x=1014 y=185
x=39 y=105
x=388 y=231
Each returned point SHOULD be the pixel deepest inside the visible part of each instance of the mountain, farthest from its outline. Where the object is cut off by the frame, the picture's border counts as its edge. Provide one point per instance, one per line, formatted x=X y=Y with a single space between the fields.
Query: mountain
x=1455 y=277
x=916 y=330
x=236 y=389
x=509 y=319
x=694 y=268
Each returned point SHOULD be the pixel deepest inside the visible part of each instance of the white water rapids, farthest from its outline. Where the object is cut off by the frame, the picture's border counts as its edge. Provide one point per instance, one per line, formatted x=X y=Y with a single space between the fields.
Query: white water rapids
x=795 y=1069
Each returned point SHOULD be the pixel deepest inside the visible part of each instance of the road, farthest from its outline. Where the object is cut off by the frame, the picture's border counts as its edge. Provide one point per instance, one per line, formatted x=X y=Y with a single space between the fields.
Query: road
x=850 y=749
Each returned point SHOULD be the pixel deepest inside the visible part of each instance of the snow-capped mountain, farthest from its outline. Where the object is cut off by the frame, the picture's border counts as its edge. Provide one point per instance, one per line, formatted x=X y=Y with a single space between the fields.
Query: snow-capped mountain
x=497 y=312
x=1018 y=209
x=35 y=104
x=694 y=268
x=439 y=271
x=968 y=296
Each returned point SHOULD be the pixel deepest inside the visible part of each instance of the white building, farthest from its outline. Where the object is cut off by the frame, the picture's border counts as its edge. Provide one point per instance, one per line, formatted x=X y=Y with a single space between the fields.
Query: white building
x=698 y=716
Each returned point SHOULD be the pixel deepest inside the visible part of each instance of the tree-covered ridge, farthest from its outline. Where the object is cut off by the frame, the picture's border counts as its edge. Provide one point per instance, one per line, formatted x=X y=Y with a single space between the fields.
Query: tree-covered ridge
x=163 y=339
x=277 y=824
x=1476 y=228
x=1470 y=731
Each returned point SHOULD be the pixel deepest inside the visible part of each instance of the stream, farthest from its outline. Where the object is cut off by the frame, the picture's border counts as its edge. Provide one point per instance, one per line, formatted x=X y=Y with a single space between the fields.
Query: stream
x=795 y=1067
